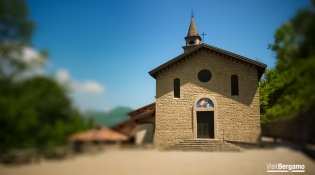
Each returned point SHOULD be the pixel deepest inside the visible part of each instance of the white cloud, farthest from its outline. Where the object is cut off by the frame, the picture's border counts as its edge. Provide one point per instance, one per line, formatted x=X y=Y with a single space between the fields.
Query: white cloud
x=31 y=56
x=62 y=76
x=89 y=86
x=34 y=61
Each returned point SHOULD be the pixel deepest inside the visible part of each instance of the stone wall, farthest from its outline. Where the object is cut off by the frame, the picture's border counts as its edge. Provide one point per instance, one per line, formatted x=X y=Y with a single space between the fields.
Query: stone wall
x=299 y=129
x=145 y=133
x=235 y=117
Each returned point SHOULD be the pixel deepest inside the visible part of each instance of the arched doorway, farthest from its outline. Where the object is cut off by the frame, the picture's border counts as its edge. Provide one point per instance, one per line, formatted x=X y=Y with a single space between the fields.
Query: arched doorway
x=204 y=112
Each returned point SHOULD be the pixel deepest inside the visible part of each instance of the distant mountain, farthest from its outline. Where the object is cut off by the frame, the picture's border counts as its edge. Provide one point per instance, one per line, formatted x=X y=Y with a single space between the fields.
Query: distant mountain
x=110 y=118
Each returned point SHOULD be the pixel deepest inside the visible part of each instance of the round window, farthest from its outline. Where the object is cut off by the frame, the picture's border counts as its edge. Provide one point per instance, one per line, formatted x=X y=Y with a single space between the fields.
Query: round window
x=204 y=75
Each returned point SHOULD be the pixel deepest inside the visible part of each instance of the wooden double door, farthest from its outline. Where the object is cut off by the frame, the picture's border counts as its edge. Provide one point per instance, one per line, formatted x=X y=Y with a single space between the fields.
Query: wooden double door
x=205 y=124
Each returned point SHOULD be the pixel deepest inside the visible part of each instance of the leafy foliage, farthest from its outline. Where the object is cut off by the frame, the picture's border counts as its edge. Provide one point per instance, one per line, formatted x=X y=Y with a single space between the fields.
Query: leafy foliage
x=269 y=92
x=288 y=90
x=34 y=111
x=14 y=22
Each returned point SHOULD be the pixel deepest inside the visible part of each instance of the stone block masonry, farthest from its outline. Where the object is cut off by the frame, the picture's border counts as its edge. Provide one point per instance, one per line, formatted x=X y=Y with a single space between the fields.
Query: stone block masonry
x=236 y=118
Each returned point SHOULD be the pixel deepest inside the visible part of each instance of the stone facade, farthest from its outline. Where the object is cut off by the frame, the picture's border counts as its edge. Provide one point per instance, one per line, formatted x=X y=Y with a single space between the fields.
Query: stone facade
x=206 y=92
x=144 y=118
x=144 y=134
x=236 y=118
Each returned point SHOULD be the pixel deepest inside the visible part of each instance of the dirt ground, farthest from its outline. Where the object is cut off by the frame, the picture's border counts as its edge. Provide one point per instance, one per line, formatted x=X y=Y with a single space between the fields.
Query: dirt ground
x=154 y=162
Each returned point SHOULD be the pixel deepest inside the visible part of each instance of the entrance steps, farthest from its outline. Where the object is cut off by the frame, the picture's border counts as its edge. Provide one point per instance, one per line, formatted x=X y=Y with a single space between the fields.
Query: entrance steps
x=209 y=145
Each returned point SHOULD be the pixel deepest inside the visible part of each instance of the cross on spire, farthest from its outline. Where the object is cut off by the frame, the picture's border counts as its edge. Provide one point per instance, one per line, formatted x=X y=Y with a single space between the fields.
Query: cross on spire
x=203 y=35
x=192 y=13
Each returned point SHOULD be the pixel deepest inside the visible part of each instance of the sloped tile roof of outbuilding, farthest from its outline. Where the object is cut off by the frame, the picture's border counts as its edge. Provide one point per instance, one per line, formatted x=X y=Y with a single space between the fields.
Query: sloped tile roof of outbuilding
x=99 y=134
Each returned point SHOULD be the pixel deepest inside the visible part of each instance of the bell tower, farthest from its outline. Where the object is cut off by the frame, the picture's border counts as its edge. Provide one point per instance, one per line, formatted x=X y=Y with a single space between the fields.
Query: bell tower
x=192 y=39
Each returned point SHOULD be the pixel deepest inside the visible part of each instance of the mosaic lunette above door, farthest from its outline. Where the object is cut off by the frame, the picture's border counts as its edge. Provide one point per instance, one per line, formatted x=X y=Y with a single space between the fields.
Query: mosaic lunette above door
x=205 y=103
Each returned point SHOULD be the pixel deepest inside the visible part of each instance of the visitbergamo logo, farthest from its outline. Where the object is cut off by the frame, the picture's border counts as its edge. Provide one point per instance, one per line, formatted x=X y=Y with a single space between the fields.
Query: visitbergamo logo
x=279 y=168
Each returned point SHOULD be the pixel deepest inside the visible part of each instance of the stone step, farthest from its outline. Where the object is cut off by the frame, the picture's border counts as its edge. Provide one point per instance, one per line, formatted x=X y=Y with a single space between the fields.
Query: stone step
x=202 y=141
x=204 y=145
x=206 y=150
x=200 y=145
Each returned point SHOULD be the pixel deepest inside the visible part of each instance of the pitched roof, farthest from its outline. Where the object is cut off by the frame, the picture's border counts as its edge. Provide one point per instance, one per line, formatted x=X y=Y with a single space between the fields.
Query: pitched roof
x=187 y=55
x=99 y=134
x=145 y=111
x=127 y=127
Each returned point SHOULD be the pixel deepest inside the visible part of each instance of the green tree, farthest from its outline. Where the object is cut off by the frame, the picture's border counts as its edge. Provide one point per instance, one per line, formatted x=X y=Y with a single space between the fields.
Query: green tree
x=15 y=33
x=34 y=111
x=269 y=87
x=37 y=113
x=288 y=91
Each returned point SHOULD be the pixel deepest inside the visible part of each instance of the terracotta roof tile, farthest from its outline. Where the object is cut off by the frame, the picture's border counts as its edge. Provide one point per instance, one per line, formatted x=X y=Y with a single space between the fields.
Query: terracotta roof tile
x=100 y=134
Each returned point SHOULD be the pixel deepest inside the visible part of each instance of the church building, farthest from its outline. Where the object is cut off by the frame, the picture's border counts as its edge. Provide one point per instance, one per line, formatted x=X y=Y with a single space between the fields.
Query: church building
x=205 y=93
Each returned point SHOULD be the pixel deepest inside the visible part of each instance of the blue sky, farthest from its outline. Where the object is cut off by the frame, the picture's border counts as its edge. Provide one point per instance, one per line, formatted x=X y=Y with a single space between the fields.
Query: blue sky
x=105 y=48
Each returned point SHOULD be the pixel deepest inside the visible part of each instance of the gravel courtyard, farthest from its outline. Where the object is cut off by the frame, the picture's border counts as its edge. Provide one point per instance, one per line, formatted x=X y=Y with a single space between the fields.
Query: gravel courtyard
x=154 y=162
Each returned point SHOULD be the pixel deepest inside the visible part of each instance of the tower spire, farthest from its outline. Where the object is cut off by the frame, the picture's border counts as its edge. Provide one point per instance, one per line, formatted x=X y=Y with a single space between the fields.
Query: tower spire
x=192 y=31
x=192 y=38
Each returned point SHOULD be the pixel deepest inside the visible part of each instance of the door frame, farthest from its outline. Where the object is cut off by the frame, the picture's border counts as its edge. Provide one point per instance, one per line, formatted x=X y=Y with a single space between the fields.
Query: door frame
x=215 y=116
x=209 y=122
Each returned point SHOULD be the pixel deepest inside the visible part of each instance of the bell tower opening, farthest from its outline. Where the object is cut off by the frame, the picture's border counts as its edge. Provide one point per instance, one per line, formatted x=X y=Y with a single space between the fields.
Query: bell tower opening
x=192 y=39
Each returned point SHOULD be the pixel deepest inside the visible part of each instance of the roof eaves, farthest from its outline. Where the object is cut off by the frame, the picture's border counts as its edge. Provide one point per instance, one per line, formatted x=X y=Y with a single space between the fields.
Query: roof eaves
x=146 y=106
x=257 y=63
x=168 y=63
x=154 y=71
